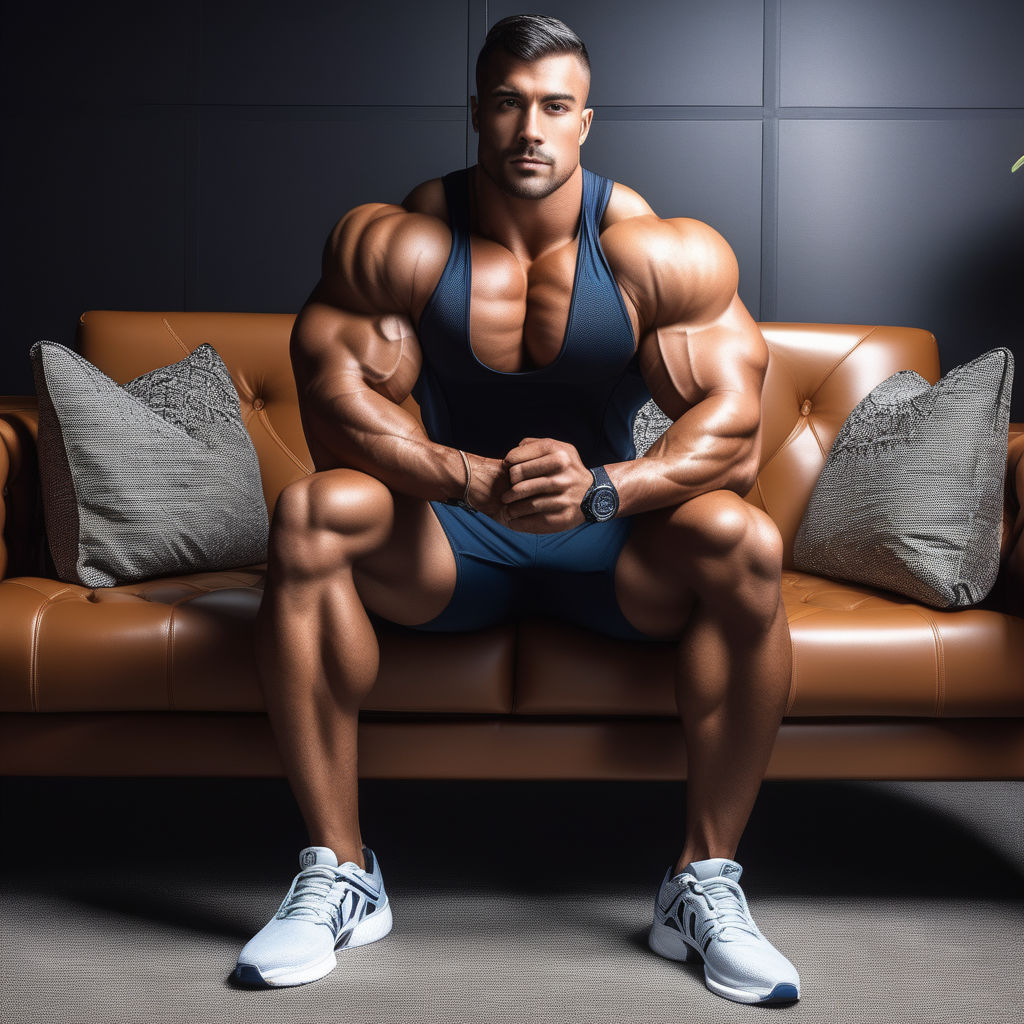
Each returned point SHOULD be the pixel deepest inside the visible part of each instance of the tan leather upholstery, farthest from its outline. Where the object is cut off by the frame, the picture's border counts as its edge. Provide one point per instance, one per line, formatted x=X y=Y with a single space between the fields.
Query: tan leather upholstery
x=816 y=374
x=254 y=347
x=856 y=651
x=124 y=673
x=186 y=743
x=185 y=643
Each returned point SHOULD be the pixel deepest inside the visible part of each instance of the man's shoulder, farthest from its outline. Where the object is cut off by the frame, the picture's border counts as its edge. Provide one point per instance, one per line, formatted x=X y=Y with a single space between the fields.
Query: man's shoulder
x=385 y=253
x=667 y=264
x=428 y=198
x=624 y=203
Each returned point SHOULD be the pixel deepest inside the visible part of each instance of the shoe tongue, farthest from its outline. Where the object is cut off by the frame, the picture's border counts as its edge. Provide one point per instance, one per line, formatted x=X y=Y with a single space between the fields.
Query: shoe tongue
x=713 y=868
x=317 y=855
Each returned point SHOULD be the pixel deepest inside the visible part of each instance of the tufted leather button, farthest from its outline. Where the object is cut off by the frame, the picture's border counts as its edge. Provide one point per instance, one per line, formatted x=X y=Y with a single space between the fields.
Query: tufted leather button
x=805 y=409
x=257 y=404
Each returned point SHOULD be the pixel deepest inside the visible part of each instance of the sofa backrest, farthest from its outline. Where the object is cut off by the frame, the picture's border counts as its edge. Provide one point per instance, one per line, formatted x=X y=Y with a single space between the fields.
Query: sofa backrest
x=817 y=373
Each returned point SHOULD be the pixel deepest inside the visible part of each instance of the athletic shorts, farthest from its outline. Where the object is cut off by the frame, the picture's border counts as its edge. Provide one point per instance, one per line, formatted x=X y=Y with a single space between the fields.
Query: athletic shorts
x=504 y=574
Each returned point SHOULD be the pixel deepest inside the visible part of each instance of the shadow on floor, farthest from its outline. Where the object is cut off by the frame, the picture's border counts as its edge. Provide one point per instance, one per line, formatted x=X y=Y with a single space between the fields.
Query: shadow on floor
x=175 y=850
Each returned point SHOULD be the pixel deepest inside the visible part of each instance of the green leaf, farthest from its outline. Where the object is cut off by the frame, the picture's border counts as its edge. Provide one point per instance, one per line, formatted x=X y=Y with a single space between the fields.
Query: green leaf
x=1018 y=165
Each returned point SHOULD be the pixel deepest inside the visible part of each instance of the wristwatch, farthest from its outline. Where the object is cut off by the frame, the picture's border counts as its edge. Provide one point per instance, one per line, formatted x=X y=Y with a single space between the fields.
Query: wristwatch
x=601 y=501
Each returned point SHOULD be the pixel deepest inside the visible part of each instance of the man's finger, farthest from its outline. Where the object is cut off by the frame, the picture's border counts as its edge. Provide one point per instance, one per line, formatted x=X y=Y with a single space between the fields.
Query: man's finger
x=545 y=465
x=530 y=488
x=529 y=448
x=543 y=502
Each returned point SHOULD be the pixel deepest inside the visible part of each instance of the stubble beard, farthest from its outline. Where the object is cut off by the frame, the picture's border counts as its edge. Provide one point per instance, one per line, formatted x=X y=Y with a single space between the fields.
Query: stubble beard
x=530 y=187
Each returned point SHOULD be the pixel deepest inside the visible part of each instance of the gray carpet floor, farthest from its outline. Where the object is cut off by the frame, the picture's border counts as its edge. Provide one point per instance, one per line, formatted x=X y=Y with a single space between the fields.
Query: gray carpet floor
x=128 y=900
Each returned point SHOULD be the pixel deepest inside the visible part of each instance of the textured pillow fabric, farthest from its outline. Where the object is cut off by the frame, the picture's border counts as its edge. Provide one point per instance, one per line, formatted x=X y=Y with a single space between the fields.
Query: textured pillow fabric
x=911 y=496
x=648 y=425
x=150 y=479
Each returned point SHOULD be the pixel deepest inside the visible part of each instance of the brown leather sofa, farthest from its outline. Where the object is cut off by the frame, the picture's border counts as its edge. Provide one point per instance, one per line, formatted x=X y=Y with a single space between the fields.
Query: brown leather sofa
x=158 y=678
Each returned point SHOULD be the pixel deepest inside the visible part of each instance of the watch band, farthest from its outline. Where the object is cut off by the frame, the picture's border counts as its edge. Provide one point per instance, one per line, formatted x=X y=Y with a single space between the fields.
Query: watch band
x=601 y=502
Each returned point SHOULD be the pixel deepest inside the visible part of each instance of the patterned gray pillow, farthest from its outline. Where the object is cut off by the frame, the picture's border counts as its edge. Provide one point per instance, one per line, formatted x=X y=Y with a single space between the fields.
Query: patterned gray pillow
x=911 y=496
x=648 y=425
x=150 y=479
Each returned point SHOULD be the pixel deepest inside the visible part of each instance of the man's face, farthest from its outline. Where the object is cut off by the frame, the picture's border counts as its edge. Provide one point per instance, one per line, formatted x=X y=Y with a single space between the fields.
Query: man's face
x=531 y=110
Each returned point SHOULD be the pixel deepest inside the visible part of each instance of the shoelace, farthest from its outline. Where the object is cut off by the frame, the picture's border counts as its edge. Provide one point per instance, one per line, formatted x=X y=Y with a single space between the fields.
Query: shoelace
x=317 y=894
x=724 y=902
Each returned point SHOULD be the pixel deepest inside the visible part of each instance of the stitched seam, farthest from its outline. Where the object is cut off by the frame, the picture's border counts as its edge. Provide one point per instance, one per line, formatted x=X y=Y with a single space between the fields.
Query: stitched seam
x=274 y=436
x=790 y=437
x=191 y=597
x=789 y=373
x=940 y=667
x=33 y=672
x=793 y=678
x=817 y=440
x=842 y=359
x=791 y=699
x=170 y=658
x=761 y=495
x=171 y=332
x=33 y=675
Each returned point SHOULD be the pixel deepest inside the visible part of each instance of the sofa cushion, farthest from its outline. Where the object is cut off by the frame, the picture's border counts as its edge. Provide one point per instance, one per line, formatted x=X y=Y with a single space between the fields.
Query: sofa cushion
x=153 y=478
x=911 y=496
x=185 y=643
x=857 y=651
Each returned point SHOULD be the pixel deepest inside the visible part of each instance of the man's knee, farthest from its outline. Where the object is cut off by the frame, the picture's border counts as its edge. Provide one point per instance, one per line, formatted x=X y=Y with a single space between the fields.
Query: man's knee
x=731 y=552
x=329 y=518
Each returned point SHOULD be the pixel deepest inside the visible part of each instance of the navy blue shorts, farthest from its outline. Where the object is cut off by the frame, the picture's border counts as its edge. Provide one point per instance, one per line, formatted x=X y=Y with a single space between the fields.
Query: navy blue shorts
x=504 y=574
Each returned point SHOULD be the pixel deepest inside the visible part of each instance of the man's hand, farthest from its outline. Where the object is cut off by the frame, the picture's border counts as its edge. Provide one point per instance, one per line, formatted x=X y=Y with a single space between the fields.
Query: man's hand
x=548 y=481
x=490 y=482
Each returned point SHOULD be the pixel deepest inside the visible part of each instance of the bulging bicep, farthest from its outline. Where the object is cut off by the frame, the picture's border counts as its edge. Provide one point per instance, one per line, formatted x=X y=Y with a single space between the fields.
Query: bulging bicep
x=336 y=351
x=684 y=362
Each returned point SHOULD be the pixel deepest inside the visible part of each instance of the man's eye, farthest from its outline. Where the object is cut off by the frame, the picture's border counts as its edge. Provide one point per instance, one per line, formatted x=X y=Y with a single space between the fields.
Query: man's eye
x=508 y=99
x=556 y=105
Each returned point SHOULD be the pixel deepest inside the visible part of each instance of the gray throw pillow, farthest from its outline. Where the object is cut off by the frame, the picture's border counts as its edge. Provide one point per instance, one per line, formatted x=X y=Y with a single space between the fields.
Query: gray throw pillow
x=911 y=496
x=151 y=479
x=648 y=425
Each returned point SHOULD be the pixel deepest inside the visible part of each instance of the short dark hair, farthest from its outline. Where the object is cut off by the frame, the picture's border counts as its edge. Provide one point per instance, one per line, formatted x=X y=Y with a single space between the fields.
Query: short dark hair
x=529 y=37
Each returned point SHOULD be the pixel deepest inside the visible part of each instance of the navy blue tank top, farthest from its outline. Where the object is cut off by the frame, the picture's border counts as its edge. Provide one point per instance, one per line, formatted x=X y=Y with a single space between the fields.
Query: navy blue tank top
x=588 y=396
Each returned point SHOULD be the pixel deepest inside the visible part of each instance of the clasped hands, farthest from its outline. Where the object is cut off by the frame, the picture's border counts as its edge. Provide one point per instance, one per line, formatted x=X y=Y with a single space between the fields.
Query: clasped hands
x=537 y=487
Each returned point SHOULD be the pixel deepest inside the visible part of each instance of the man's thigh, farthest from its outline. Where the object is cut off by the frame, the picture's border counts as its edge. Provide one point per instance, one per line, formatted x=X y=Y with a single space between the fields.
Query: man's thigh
x=653 y=586
x=574 y=577
x=411 y=578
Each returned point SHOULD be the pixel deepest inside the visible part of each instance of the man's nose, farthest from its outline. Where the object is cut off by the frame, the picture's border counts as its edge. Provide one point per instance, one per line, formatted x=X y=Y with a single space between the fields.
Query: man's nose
x=529 y=127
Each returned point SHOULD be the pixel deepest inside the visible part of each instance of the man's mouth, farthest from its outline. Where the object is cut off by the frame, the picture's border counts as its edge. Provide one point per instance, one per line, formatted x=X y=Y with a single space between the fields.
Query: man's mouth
x=529 y=161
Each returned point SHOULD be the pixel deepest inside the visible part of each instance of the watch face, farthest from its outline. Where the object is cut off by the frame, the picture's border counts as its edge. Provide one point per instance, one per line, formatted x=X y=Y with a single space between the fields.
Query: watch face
x=605 y=502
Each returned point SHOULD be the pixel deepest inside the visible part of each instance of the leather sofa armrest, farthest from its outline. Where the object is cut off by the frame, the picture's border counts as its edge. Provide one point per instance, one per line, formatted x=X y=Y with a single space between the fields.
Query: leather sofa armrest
x=23 y=548
x=1010 y=585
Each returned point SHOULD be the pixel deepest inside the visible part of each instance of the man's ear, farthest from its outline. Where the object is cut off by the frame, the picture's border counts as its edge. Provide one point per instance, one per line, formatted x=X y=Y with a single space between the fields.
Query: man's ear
x=473 y=107
x=588 y=116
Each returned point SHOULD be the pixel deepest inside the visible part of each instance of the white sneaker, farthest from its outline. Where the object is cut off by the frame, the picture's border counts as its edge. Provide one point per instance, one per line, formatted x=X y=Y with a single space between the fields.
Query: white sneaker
x=702 y=914
x=329 y=906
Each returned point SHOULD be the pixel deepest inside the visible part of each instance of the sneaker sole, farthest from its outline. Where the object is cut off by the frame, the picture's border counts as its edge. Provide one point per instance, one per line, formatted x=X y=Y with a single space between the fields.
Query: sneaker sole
x=370 y=929
x=669 y=943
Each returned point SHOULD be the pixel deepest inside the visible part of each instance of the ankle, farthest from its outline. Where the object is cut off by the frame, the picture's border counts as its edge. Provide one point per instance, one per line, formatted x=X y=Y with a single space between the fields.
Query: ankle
x=344 y=850
x=701 y=852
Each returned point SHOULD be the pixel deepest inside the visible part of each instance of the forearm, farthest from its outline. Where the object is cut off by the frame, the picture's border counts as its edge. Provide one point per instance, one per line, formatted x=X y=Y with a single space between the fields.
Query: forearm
x=715 y=445
x=361 y=429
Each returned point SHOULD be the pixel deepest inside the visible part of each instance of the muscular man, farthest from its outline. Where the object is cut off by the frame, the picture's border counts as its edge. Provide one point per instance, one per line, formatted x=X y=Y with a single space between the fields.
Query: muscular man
x=531 y=307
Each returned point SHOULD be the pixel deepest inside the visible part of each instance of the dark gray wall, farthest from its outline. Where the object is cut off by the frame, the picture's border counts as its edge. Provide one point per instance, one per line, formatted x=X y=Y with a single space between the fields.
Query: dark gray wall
x=195 y=156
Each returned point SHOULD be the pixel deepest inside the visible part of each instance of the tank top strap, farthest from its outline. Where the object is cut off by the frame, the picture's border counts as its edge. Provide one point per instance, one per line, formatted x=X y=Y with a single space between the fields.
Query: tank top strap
x=456 y=194
x=596 y=192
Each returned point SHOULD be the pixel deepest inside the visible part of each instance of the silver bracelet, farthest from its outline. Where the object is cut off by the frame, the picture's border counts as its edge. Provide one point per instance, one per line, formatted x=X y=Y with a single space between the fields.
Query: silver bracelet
x=463 y=502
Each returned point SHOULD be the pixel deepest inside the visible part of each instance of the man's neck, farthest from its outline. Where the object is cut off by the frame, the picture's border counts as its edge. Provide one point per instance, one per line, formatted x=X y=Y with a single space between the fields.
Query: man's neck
x=526 y=227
